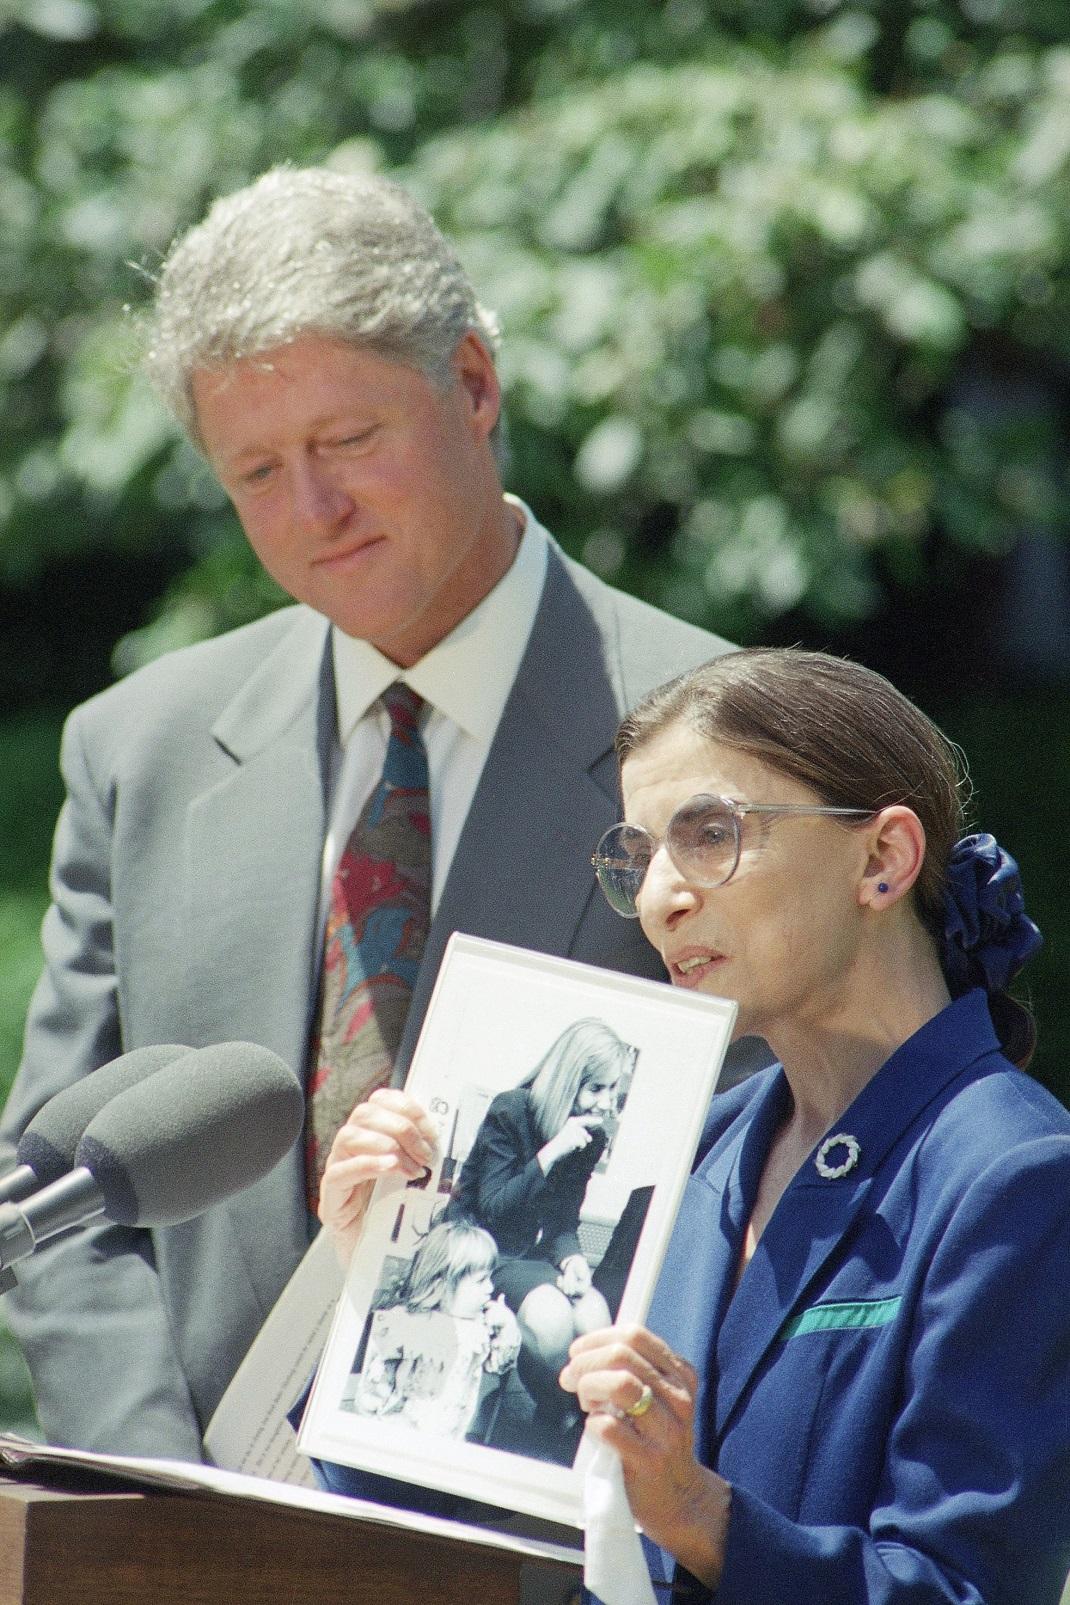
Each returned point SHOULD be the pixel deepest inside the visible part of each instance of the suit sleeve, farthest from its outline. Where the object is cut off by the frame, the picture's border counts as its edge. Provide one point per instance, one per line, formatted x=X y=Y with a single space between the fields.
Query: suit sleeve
x=508 y=1189
x=971 y=1504
x=514 y=1199
x=88 y=1310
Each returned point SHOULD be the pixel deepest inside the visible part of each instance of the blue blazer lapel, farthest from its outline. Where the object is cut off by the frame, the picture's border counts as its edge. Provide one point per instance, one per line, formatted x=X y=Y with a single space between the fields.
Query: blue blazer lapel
x=807 y=1227
x=699 y=1272
x=702 y=1257
x=814 y=1217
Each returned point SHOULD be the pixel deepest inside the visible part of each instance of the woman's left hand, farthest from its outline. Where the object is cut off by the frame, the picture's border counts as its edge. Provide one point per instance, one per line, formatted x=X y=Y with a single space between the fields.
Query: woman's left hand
x=680 y=1504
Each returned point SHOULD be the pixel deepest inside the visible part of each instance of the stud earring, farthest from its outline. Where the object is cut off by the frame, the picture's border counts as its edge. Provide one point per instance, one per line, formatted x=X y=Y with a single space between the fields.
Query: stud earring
x=882 y=886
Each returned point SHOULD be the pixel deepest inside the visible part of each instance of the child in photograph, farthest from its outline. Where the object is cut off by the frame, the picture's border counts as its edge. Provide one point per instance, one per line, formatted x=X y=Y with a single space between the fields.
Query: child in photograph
x=433 y=1349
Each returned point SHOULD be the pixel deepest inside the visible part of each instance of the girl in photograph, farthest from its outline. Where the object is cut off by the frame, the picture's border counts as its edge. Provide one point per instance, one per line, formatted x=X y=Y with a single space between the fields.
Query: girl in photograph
x=524 y=1181
x=433 y=1347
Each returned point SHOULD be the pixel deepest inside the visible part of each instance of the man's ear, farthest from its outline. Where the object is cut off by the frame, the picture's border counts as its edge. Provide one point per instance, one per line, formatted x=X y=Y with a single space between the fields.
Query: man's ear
x=478 y=378
x=896 y=854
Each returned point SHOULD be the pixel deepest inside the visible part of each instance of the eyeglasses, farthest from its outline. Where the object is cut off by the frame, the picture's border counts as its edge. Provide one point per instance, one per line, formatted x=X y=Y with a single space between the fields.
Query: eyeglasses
x=703 y=840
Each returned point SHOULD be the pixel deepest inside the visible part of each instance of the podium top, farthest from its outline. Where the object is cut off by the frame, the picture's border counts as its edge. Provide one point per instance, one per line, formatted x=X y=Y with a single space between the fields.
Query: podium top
x=104 y=1537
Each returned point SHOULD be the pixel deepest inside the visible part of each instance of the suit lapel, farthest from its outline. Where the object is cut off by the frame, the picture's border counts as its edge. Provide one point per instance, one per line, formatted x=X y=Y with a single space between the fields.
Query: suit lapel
x=707 y=1242
x=252 y=855
x=809 y=1224
x=701 y=1258
x=812 y=1223
x=549 y=783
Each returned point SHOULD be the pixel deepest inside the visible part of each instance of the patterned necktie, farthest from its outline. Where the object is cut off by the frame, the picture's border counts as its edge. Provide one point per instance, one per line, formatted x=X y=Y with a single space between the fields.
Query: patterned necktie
x=376 y=928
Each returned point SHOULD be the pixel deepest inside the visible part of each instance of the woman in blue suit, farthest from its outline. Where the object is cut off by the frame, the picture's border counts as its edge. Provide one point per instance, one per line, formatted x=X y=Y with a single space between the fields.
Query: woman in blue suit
x=855 y=1385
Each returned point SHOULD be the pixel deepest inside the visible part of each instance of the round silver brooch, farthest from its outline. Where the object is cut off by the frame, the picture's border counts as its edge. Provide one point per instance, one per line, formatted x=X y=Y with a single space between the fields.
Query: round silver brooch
x=840 y=1140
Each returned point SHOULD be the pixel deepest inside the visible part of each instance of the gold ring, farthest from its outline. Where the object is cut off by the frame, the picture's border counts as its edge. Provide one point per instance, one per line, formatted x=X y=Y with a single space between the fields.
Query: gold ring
x=643 y=1403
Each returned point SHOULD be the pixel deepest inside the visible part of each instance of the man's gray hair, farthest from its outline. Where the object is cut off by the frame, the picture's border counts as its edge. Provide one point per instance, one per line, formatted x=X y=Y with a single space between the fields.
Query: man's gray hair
x=350 y=257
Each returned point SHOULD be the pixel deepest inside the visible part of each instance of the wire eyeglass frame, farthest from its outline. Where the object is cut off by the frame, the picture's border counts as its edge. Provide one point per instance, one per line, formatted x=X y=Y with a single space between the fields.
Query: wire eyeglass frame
x=621 y=871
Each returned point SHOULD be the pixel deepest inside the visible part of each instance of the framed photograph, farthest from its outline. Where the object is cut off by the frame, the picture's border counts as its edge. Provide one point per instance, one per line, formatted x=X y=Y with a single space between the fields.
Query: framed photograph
x=569 y=1102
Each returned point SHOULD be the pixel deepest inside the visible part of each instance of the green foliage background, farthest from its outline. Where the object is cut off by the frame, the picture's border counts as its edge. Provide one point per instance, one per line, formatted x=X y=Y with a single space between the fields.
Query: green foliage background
x=741 y=252
x=787 y=329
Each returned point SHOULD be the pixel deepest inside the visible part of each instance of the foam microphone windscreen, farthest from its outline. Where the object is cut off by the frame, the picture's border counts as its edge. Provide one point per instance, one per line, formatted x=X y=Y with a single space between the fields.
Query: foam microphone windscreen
x=49 y=1141
x=203 y=1128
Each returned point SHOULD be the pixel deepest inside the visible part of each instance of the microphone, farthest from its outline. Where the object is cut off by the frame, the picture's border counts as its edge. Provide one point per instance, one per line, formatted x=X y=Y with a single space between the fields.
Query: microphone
x=46 y=1149
x=170 y=1147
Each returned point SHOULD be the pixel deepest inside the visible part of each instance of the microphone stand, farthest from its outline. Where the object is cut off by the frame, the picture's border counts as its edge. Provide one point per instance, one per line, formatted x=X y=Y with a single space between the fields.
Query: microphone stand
x=71 y=1201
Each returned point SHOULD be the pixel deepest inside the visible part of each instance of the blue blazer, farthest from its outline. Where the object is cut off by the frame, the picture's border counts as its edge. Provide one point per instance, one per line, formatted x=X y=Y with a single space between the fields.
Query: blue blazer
x=888 y=1390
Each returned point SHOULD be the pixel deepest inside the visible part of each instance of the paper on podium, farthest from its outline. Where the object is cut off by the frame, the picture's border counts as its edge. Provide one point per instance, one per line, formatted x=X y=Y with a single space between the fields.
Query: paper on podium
x=20 y=1454
x=249 y=1431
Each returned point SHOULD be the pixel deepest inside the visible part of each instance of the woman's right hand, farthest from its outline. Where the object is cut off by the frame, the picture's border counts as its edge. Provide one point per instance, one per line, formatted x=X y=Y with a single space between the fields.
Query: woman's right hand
x=678 y=1502
x=390 y=1134
x=576 y=1133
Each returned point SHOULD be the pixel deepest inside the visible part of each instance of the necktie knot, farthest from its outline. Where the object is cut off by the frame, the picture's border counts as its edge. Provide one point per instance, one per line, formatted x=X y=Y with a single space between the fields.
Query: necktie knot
x=404 y=707
x=405 y=764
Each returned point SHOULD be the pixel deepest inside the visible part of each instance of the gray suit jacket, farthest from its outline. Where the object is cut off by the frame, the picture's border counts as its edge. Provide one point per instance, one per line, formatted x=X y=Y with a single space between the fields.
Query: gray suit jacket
x=185 y=885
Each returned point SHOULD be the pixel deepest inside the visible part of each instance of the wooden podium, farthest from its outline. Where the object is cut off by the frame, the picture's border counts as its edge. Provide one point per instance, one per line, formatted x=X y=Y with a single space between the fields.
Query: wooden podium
x=101 y=1546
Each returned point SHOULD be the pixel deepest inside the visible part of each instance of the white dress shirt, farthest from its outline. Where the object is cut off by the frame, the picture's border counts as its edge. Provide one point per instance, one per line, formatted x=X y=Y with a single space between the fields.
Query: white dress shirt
x=465 y=681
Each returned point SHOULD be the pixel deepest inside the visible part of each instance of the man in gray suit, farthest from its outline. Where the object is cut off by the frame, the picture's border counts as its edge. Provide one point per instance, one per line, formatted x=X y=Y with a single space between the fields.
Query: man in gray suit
x=321 y=344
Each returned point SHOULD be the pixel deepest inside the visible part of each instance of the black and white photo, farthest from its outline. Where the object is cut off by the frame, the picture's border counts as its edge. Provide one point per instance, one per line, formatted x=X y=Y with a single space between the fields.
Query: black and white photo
x=567 y=1102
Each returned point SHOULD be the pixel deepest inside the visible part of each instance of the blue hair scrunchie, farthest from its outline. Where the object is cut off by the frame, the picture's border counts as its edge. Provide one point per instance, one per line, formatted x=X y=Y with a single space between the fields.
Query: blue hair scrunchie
x=988 y=936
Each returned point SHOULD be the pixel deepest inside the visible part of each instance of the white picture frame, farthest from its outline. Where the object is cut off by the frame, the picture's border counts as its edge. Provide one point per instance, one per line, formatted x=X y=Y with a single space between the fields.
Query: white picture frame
x=495 y=1014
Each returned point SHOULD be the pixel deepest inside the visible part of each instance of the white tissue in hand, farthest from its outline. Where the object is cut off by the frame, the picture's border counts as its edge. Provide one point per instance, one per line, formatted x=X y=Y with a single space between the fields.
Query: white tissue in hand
x=614 y=1567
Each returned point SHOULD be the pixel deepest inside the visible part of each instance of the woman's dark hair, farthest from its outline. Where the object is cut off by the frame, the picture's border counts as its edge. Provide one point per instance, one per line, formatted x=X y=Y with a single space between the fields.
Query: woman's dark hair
x=845 y=732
